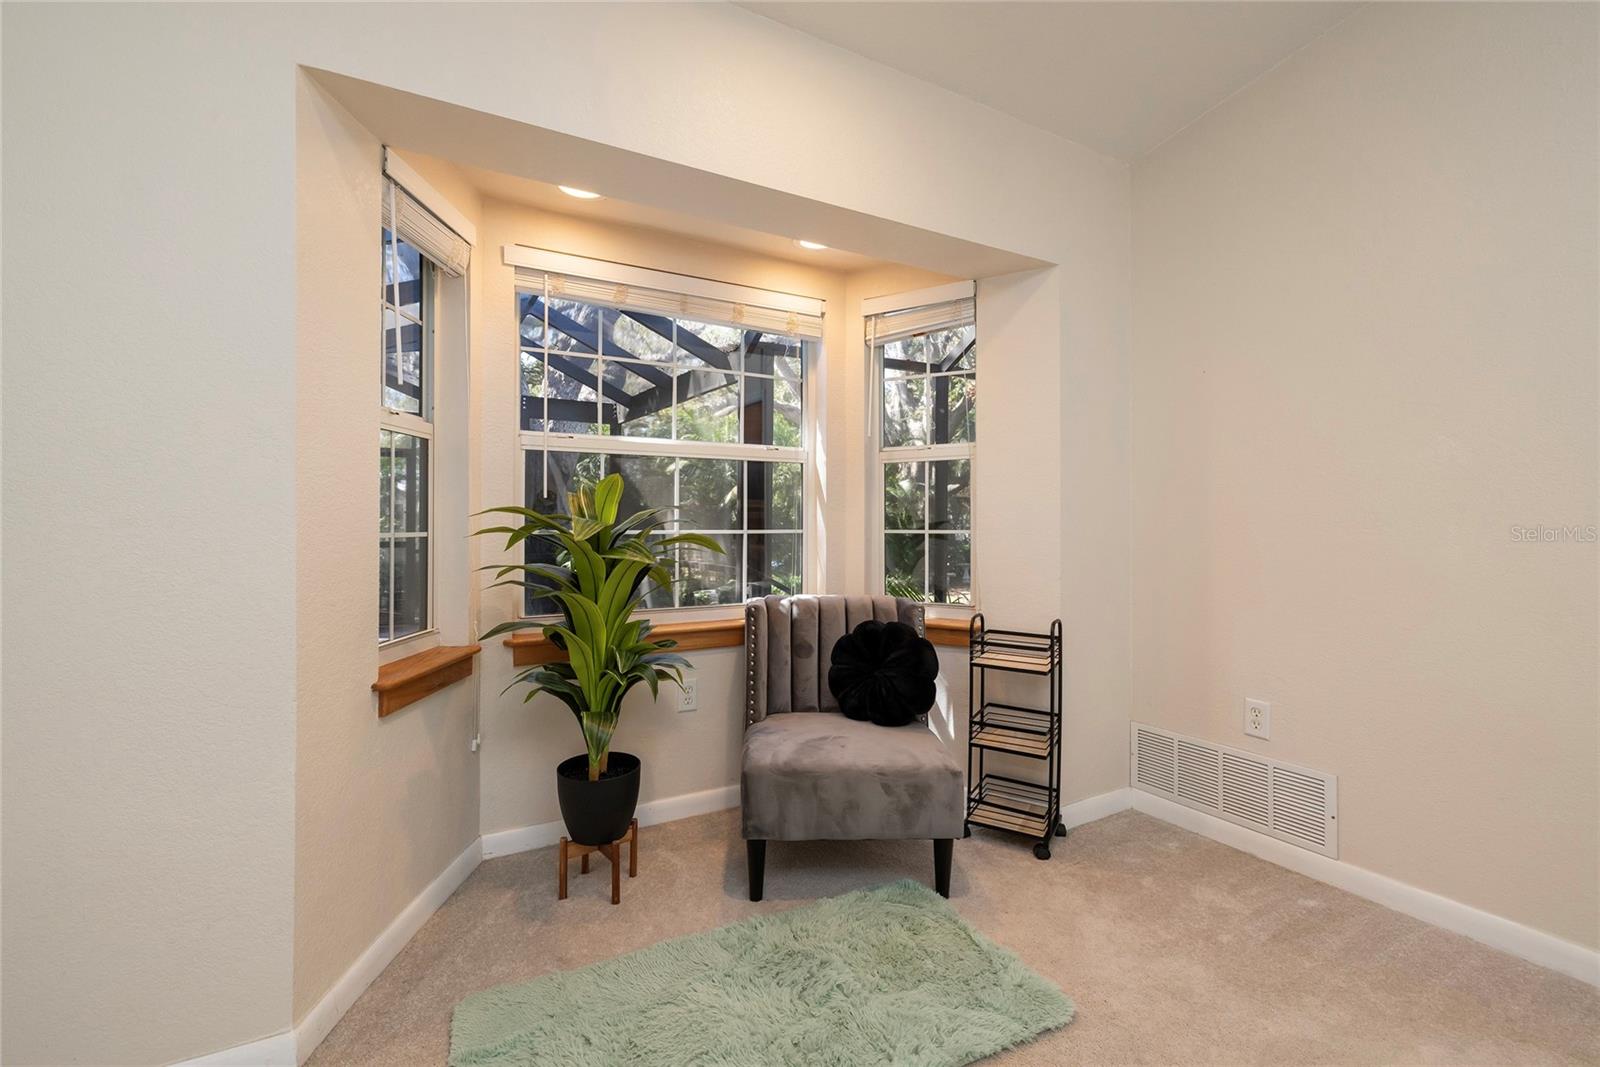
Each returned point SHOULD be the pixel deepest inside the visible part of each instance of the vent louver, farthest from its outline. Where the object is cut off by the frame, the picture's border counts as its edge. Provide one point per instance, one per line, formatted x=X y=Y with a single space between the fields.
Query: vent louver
x=1198 y=776
x=1244 y=789
x=1293 y=804
x=1153 y=754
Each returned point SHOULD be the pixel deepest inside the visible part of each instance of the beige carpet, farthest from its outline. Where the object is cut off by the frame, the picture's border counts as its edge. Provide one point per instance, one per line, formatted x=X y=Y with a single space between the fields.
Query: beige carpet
x=1177 y=950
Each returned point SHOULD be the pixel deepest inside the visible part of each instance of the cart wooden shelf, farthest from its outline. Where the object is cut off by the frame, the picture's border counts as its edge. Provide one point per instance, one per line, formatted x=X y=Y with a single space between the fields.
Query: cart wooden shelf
x=1003 y=801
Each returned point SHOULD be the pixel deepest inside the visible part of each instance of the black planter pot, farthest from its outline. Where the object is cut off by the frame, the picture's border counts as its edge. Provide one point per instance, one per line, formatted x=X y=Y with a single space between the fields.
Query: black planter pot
x=598 y=813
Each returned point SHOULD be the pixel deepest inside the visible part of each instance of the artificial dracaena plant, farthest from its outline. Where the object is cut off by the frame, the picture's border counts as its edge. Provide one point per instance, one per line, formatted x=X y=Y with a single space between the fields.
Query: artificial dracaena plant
x=603 y=568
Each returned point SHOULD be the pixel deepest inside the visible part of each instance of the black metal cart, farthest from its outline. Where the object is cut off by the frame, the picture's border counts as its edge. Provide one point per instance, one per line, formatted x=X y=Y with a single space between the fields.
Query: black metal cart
x=1002 y=801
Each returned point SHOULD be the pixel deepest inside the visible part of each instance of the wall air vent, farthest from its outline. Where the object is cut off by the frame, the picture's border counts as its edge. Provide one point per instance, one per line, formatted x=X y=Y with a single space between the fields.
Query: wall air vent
x=1291 y=803
x=1153 y=759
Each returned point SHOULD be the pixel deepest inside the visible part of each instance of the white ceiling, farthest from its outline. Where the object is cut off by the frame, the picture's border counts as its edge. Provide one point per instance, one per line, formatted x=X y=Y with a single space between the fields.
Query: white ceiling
x=518 y=190
x=520 y=162
x=1117 y=77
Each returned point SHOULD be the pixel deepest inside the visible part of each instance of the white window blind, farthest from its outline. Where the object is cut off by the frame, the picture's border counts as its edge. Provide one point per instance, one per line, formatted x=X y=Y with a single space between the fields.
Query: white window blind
x=898 y=324
x=421 y=228
x=619 y=285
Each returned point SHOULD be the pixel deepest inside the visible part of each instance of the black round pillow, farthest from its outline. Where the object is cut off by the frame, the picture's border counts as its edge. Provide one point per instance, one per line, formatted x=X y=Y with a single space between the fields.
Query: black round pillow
x=884 y=673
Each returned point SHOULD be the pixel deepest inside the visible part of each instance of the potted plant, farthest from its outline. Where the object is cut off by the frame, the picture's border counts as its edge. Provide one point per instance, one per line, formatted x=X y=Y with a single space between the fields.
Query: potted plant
x=602 y=571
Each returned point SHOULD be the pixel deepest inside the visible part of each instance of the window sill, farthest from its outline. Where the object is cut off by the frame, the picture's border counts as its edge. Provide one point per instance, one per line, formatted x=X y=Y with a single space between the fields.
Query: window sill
x=406 y=681
x=947 y=631
x=530 y=648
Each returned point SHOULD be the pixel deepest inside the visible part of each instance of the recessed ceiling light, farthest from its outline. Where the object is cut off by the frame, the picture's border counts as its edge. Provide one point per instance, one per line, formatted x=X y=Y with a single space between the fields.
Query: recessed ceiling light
x=581 y=194
x=810 y=246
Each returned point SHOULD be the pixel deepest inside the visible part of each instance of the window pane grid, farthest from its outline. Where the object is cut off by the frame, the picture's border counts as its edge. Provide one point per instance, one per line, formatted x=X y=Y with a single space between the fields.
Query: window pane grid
x=656 y=377
x=404 y=455
x=681 y=408
x=761 y=556
x=403 y=537
x=927 y=431
x=403 y=353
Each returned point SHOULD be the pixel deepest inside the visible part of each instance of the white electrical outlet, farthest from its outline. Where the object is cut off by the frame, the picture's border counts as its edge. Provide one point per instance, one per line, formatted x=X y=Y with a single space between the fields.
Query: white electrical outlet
x=1257 y=718
x=689 y=696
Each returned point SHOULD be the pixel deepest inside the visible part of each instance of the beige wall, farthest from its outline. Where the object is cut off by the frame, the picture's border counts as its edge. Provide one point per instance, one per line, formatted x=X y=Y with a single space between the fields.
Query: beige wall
x=1018 y=561
x=149 y=527
x=1365 y=300
x=155 y=475
x=381 y=805
x=684 y=752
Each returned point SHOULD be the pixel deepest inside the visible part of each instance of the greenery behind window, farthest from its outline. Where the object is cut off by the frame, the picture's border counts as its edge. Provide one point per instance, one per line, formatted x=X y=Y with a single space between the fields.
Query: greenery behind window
x=720 y=410
x=404 y=441
x=927 y=434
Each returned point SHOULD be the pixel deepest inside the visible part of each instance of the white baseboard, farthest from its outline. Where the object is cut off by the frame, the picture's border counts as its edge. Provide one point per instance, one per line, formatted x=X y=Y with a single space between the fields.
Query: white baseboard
x=545 y=834
x=1092 y=809
x=274 y=1051
x=1535 y=946
x=290 y=1048
x=310 y=1031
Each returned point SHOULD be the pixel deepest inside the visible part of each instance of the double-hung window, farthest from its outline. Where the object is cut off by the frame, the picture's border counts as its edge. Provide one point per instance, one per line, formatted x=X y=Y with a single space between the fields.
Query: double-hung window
x=415 y=244
x=697 y=401
x=925 y=362
x=405 y=436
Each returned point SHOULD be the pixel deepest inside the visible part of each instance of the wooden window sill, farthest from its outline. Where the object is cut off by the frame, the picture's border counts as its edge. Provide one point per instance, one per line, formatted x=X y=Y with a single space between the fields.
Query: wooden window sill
x=408 y=680
x=529 y=647
x=951 y=632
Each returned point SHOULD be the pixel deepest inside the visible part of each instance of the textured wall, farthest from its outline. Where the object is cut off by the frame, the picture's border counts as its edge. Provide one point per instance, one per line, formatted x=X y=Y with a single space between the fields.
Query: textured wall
x=381 y=805
x=152 y=424
x=149 y=518
x=1365 y=351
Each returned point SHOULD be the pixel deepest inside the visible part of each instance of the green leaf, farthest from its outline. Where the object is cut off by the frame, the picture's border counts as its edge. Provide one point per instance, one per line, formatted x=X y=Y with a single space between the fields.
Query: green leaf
x=699 y=540
x=615 y=596
x=510 y=627
x=588 y=624
x=585 y=528
x=583 y=665
x=588 y=568
x=607 y=495
x=649 y=518
x=523 y=583
x=549 y=572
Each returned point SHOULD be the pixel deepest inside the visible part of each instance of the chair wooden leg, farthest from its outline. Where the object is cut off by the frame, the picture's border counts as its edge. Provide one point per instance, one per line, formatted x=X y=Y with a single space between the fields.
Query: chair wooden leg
x=633 y=849
x=561 y=876
x=943 y=848
x=614 y=853
x=583 y=864
x=756 y=855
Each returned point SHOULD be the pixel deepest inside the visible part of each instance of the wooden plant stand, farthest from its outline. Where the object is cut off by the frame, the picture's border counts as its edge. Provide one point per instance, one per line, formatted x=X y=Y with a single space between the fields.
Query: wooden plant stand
x=612 y=852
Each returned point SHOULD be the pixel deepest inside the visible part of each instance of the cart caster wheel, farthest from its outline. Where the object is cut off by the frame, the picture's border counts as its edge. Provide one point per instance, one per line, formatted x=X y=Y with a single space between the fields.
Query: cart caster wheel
x=1061 y=831
x=1041 y=851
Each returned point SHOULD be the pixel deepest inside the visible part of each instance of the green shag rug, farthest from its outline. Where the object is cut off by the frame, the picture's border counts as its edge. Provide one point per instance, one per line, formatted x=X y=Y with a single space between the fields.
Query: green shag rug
x=890 y=975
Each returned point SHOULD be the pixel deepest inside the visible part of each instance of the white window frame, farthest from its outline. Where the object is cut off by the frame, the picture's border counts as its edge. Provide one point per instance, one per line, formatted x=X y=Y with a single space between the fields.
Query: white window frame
x=414 y=425
x=928 y=454
x=811 y=353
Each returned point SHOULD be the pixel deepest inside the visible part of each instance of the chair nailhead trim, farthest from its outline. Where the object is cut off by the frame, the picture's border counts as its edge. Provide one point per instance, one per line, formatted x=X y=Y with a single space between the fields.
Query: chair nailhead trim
x=750 y=667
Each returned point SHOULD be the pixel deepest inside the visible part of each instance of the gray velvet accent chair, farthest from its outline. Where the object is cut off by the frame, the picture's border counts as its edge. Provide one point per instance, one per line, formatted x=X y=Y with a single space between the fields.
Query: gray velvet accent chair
x=810 y=774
